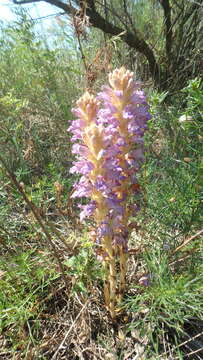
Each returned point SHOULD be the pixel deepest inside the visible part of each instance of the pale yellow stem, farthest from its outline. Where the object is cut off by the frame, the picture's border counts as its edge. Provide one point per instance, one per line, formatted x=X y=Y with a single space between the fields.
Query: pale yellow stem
x=123 y=270
x=111 y=275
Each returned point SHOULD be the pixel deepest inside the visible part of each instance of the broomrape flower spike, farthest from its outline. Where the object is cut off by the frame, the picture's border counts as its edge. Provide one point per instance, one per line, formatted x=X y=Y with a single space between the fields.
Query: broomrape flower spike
x=108 y=135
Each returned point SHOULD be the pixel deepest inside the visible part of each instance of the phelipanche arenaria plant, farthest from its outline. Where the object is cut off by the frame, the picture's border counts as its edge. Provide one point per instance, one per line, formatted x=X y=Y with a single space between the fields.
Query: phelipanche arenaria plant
x=108 y=137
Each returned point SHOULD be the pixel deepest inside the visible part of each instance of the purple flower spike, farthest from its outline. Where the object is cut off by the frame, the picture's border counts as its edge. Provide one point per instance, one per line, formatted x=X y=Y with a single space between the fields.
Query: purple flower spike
x=109 y=150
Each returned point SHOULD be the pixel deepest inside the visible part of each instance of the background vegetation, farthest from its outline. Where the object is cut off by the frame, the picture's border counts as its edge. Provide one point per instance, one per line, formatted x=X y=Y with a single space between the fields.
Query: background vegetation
x=51 y=304
x=163 y=35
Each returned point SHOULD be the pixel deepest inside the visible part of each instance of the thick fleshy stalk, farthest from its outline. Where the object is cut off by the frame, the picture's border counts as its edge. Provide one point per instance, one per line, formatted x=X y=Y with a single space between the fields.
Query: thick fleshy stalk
x=93 y=152
x=126 y=104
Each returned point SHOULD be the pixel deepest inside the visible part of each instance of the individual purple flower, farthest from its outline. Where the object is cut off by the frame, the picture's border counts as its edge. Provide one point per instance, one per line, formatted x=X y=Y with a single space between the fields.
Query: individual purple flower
x=102 y=185
x=82 y=189
x=114 y=207
x=87 y=210
x=80 y=149
x=138 y=97
x=104 y=229
x=76 y=125
x=105 y=117
x=82 y=167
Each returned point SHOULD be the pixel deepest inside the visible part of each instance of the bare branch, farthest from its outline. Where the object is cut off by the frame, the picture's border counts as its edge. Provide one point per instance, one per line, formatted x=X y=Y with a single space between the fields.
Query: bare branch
x=66 y=7
x=23 y=2
x=195 y=2
x=188 y=14
x=48 y=16
x=169 y=32
x=200 y=232
x=134 y=39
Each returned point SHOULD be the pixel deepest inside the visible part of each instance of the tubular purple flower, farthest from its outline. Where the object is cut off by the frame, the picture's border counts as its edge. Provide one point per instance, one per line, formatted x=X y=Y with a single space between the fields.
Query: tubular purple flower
x=82 y=189
x=87 y=210
x=104 y=229
x=80 y=149
x=82 y=167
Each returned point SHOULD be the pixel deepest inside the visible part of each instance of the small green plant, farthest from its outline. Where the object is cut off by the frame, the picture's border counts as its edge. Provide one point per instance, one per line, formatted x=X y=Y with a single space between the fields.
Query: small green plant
x=169 y=299
x=173 y=168
x=23 y=278
x=84 y=269
x=173 y=208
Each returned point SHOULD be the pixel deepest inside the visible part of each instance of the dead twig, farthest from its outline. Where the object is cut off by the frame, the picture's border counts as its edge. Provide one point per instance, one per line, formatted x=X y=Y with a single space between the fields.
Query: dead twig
x=187 y=241
x=183 y=344
x=69 y=330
